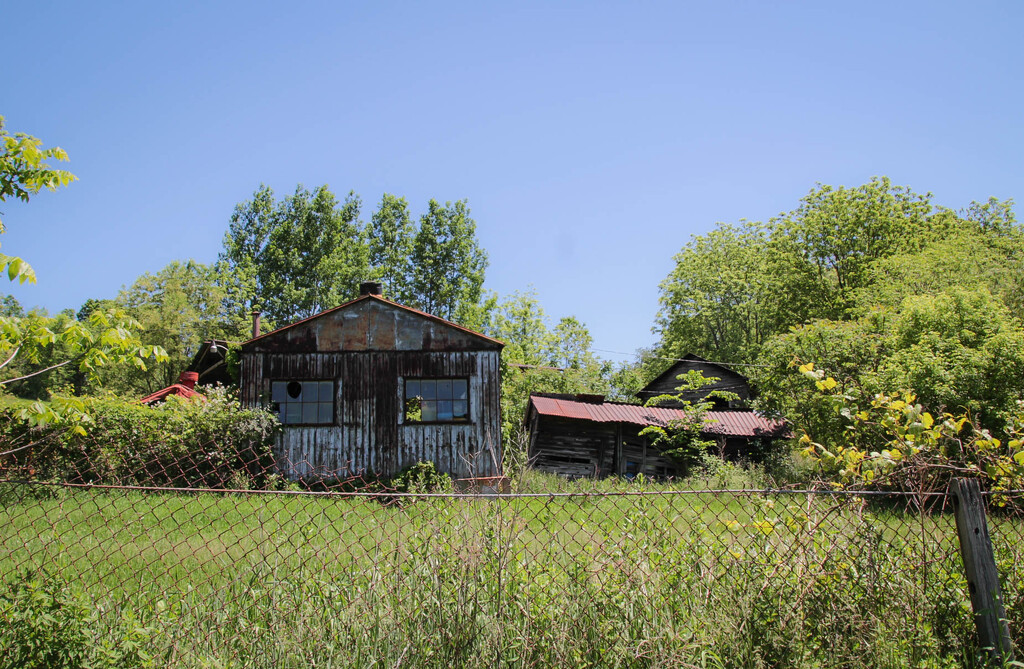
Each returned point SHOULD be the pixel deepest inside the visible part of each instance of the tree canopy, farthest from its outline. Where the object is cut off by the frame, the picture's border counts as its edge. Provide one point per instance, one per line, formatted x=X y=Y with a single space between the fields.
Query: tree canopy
x=875 y=285
x=738 y=285
x=178 y=308
x=295 y=257
x=541 y=358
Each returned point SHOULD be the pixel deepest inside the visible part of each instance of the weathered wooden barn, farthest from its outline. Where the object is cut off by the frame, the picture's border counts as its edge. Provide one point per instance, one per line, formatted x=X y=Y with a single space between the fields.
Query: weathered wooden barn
x=728 y=380
x=372 y=386
x=586 y=436
x=211 y=363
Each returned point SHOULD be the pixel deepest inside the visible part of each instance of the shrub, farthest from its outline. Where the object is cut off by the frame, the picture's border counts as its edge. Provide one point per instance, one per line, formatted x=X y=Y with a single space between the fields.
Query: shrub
x=893 y=442
x=215 y=443
x=44 y=625
x=421 y=477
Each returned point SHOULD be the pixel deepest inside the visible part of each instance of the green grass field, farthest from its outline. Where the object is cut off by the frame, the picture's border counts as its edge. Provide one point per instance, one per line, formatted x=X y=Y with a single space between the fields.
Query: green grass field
x=661 y=579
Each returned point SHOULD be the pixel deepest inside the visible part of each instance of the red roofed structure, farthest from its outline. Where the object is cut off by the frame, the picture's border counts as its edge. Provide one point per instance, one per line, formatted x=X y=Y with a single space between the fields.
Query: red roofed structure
x=185 y=387
x=584 y=435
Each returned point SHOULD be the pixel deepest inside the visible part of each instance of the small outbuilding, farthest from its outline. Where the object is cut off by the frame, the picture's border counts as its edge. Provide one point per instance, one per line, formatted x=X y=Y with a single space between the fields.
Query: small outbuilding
x=587 y=436
x=373 y=387
x=728 y=380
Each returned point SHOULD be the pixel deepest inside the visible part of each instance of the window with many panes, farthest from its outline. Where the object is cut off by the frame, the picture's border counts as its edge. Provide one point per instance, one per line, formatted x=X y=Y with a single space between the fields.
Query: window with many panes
x=436 y=400
x=303 y=402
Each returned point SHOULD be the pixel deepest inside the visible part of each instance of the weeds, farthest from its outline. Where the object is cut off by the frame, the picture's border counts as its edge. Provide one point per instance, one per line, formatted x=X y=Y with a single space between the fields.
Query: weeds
x=668 y=579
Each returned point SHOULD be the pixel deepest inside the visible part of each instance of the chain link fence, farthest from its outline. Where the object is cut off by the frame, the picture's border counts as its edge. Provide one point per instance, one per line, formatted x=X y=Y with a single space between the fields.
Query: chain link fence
x=202 y=566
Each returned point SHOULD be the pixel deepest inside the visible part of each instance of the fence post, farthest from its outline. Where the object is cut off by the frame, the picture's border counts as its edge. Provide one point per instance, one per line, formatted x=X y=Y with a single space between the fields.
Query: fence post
x=980 y=567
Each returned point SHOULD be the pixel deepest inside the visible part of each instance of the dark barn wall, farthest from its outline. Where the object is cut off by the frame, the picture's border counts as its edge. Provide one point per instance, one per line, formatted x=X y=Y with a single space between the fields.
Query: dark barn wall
x=582 y=448
x=667 y=383
x=356 y=347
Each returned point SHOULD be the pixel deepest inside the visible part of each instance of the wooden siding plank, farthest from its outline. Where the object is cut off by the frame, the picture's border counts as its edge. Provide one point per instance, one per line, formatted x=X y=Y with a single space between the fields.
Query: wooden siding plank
x=367 y=435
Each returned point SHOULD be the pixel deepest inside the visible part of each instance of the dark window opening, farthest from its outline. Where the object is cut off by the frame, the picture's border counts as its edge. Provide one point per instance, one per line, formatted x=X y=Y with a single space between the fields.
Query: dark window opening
x=436 y=400
x=303 y=402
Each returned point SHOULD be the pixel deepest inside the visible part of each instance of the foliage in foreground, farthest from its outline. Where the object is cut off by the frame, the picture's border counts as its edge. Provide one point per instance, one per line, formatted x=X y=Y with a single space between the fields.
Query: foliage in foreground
x=957 y=352
x=605 y=581
x=893 y=442
x=24 y=171
x=215 y=443
x=46 y=625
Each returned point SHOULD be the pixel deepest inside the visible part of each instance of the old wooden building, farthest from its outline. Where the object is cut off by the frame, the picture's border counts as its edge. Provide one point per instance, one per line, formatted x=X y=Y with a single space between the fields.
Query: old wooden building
x=587 y=436
x=728 y=380
x=372 y=386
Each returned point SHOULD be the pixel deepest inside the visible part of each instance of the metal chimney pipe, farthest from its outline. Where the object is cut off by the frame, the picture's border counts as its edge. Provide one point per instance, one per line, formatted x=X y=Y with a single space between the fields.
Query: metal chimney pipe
x=371 y=288
x=255 y=323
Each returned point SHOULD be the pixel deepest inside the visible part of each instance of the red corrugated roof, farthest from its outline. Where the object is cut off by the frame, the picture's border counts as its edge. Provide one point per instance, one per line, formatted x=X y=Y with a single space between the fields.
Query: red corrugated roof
x=729 y=423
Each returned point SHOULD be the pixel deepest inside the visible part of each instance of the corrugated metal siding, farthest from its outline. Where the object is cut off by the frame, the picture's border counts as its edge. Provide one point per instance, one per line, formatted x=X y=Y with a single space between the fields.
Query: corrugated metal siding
x=368 y=436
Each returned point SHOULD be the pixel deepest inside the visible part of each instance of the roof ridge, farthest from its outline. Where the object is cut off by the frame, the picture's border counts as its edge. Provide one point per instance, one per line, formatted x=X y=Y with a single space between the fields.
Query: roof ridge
x=386 y=301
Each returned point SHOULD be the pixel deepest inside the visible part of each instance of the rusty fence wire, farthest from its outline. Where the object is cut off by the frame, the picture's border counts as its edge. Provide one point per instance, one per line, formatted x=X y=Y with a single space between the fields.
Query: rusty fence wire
x=229 y=568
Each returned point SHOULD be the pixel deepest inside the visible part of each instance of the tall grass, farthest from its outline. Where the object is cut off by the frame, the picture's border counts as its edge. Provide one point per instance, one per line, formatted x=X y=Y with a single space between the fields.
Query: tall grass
x=611 y=578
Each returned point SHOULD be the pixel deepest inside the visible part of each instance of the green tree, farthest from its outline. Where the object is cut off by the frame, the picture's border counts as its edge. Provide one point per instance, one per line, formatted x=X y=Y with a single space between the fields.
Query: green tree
x=572 y=343
x=178 y=308
x=842 y=231
x=37 y=344
x=389 y=238
x=309 y=252
x=960 y=351
x=109 y=336
x=296 y=257
x=448 y=264
x=521 y=323
x=683 y=439
x=716 y=302
x=840 y=253
x=9 y=306
x=957 y=352
x=982 y=248
x=852 y=352
x=24 y=171
x=537 y=358
x=627 y=378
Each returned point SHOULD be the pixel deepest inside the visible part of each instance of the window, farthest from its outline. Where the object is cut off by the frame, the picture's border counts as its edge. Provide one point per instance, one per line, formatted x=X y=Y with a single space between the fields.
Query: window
x=436 y=400
x=303 y=402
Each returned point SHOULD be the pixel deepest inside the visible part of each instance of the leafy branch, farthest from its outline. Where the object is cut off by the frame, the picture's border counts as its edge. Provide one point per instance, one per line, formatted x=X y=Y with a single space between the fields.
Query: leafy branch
x=893 y=442
x=24 y=171
x=683 y=439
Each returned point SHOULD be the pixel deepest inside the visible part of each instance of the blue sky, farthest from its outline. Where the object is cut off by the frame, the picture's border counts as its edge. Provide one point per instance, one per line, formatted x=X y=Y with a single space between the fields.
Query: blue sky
x=591 y=139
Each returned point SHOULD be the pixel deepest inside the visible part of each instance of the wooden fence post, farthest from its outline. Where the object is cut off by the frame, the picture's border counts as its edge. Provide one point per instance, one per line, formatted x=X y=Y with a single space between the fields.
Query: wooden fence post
x=980 y=567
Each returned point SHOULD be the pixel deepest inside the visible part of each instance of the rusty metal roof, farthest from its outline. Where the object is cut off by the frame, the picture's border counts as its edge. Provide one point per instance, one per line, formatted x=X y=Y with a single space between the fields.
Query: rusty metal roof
x=378 y=298
x=734 y=423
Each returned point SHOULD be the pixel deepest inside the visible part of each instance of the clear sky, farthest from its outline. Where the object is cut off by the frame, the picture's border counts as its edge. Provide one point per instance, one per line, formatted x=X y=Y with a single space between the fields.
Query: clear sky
x=591 y=139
